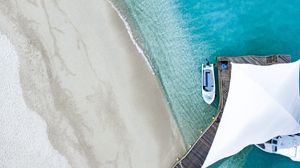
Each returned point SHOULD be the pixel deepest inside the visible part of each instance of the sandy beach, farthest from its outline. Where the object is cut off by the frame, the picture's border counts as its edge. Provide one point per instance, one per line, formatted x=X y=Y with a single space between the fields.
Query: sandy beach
x=80 y=72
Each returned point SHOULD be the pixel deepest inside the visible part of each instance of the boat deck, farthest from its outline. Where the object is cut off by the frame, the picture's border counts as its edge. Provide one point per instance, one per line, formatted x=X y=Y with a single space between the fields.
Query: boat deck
x=196 y=155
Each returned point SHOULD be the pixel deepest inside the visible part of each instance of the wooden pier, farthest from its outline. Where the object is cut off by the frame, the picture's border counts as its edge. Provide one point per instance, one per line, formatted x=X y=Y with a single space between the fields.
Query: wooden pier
x=196 y=155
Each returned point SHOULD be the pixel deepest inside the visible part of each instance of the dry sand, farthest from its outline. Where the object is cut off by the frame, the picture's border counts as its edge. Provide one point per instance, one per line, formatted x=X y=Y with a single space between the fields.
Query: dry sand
x=81 y=73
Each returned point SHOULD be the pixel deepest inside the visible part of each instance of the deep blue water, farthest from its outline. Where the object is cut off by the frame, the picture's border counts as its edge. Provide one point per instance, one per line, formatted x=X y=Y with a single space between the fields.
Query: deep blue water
x=177 y=35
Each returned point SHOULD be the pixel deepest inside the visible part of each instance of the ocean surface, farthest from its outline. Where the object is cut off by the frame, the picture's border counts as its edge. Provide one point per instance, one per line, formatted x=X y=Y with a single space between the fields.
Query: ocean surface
x=176 y=36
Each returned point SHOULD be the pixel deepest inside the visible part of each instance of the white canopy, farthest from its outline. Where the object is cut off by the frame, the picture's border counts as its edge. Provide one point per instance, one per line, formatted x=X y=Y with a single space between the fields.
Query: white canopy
x=263 y=102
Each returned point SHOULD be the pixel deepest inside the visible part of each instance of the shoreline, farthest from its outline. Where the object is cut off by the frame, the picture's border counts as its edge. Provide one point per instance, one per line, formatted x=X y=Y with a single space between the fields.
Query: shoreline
x=83 y=75
x=129 y=31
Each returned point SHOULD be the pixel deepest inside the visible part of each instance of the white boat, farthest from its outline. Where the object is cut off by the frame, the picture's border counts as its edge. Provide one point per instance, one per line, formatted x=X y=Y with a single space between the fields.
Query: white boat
x=208 y=83
x=288 y=145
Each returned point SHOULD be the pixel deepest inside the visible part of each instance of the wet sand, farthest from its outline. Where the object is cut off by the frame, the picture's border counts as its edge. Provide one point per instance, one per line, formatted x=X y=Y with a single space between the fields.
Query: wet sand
x=81 y=73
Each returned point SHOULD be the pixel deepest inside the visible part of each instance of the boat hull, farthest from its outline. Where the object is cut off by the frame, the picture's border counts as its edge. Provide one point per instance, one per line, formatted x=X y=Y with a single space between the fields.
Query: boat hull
x=288 y=145
x=208 y=83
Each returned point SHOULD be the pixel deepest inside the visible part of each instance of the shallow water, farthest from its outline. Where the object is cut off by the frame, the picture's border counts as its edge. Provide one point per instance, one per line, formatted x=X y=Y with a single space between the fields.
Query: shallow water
x=176 y=37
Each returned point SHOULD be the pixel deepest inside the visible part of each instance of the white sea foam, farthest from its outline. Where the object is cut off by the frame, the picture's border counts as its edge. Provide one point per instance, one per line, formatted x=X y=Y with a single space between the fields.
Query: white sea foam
x=23 y=134
x=140 y=50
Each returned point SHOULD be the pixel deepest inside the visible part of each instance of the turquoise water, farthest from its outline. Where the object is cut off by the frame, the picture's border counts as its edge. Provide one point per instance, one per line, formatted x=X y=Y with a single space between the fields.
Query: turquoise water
x=177 y=35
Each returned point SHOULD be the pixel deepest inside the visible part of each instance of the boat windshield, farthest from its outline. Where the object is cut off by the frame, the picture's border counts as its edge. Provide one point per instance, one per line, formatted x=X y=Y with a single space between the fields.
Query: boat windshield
x=274 y=141
x=208 y=82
